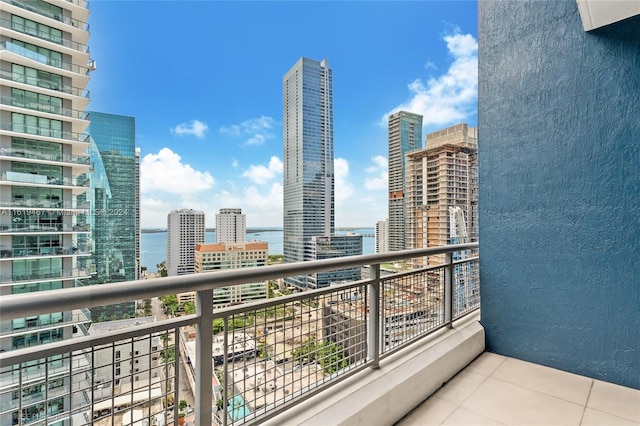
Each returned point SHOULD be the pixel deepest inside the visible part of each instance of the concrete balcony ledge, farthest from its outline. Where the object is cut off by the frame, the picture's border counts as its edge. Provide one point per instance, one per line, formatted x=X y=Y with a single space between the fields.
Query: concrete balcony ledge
x=402 y=382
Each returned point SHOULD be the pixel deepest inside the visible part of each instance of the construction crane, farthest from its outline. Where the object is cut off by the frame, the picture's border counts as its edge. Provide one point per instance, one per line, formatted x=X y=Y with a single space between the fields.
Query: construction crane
x=462 y=271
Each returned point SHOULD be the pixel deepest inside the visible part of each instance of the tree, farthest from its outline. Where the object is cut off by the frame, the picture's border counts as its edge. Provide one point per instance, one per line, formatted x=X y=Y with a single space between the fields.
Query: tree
x=189 y=308
x=162 y=268
x=329 y=355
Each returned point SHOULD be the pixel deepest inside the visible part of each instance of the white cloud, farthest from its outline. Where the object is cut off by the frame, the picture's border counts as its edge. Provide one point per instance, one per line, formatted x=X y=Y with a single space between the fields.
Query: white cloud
x=381 y=168
x=261 y=174
x=451 y=97
x=165 y=172
x=343 y=188
x=256 y=130
x=194 y=127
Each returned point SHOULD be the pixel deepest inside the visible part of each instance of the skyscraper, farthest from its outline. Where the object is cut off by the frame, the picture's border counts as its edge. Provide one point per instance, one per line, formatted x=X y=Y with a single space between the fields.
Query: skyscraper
x=308 y=164
x=112 y=203
x=443 y=175
x=185 y=229
x=45 y=67
x=231 y=226
x=382 y=236
x=405 y=134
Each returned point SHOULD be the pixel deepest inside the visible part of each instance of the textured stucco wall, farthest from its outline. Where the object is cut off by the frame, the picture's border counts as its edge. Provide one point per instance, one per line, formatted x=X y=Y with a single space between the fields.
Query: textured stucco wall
x=559 y=129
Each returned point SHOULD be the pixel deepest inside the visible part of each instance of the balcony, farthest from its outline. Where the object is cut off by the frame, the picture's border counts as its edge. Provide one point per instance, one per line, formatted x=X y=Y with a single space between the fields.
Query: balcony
x=47 y=108
x=45 y=60
x=33 y=204
x=39 y=180
x=10 y=254
x=270 y=354
x=84 y=26
x=26 y=155
x=42 y=228
x=53 y=134
x=45 y=84
x=41 y=276
x=6 y=23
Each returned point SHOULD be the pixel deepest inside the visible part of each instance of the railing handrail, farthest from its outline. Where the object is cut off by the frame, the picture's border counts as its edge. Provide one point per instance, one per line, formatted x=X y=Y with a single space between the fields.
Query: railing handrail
x=16 y=306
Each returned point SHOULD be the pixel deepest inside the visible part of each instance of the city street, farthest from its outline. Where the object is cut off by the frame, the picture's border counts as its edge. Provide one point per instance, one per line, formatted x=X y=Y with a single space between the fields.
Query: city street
x=185 y=391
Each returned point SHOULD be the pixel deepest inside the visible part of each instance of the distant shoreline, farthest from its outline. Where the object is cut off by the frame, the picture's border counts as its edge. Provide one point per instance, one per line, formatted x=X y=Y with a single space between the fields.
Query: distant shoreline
x=249 y=230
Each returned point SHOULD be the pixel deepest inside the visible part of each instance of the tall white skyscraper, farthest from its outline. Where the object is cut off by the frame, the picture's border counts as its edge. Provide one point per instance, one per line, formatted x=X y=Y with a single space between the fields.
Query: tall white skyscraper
x=45 y=66
x=185 y=229
x=308 y=170
x=231 y=226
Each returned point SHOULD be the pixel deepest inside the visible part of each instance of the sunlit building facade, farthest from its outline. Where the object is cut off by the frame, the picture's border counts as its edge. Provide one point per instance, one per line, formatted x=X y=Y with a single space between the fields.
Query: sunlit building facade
x=44 y=165
x=231 y=226
x=185 y=229
x=217 y=257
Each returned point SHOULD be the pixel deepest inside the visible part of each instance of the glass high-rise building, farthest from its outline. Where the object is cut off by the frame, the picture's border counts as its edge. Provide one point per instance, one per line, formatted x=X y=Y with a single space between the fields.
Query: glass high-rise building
x=113 y=206
x=405 y=134
x=308 y=164
x=44 y=71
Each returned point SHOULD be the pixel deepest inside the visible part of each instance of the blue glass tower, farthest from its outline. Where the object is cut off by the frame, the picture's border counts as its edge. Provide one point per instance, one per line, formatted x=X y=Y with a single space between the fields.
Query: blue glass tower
x=113 y=207
x=309 y=211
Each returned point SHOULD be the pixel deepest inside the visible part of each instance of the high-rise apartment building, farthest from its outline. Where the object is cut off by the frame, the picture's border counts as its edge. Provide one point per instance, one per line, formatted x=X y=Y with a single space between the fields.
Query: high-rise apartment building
x=405 y=134
x=113 y=217
x=382 y=236
x=308 y=165
x=185 y=229
x=137 y=204
x=443 y=175
x=231 y=226
x=216 y=257
x=44 y=71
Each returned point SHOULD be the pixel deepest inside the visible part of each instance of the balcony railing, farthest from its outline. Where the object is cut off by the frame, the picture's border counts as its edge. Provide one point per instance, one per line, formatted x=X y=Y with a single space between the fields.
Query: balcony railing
x=43 y=59
x=44 y=35
x=43 y=204
x=18 y=277
x=43 y=251
x=44 y=131
x=42 y=228
x=248 y=362
x=44 y=83
x=32 y=7
x=84 y=160
x=37 y=106
x=9 y=176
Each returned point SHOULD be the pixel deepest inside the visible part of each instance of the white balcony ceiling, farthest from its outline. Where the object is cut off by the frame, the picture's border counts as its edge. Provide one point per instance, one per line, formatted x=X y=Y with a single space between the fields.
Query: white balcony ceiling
x=598 y=13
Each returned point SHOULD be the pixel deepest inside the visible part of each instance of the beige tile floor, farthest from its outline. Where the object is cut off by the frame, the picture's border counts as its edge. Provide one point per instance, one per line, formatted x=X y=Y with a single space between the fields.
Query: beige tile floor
x=497 y=390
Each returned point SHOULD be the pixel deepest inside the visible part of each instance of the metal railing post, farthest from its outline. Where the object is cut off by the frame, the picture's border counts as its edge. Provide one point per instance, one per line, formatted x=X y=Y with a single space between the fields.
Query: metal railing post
x=204 y=369
x=374 y=333
x=448 y=289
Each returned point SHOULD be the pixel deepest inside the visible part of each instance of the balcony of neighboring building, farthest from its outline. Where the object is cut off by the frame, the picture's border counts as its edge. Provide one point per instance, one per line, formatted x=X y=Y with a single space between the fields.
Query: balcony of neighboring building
x=79 y=164
x=69 y=16
x=40 y=278
x=38 y=106
x=28 y=31
x=78 y=184
x=21 y=327
x=30 y=79
x=17 y=53
x=78 y=141
x=8 y=253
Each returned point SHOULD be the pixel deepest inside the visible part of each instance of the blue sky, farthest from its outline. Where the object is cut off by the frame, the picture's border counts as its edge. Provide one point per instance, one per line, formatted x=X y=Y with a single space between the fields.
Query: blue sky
x=204 y=81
